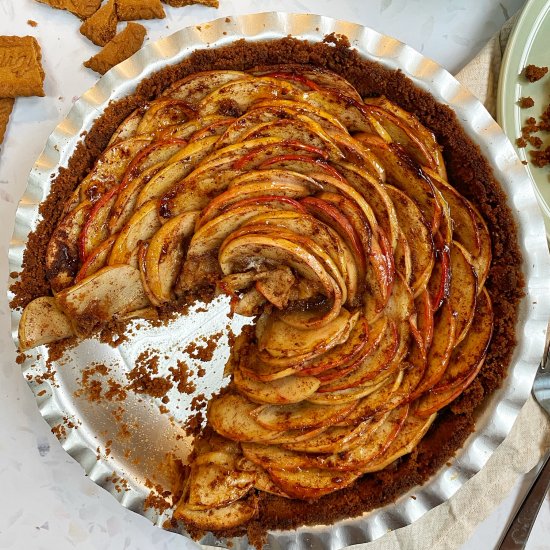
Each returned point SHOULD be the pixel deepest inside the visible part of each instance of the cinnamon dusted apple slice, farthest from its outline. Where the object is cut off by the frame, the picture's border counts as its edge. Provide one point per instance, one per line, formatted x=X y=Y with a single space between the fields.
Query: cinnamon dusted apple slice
x=165 y=255
x=96 y=259
x=231 y=416
x=195 y=87
x=107 y=294
x=289 y=389
x=280 y=340
x=193 y=127
x=412 y=224
x=273 y=456
x=276 y=176
x=290 y=436
x=412 y=431
x=126 y=199
x=424 y=318
x=469 y=354
x=311 y=483
x=440 y=280
x=463 y=291
x=96 y=228
x=236 y=97
x=300 y=416
x=180 y=166
x=250 y=191
x=218 y=519
x=443 y=341
x=384 y=332
x=212 y=129
x=372 y=445
x=141 y=227
x=214 y=483
x=62 y=253
x=349 y=395
x=264 y=483
x=42 y=323
x=482 y=261
x=109 y=169
x=164 y=112
x=400 y=305
x=336 y=439
x=403 y=257
x=128 y=127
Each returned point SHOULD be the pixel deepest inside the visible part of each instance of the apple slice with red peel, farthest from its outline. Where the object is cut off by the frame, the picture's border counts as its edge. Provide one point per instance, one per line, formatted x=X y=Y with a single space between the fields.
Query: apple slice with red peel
x=110 y=167
x=195 y=87
x=440 y=351
x=126 y=199
x=62 y=253
x=141 y=227
x=107 y=294
x=357 y=345
x=403 y=257
x=463 y=291
x=180 y=167
x=236 y=97
x=336 y=439
x=412 y=224
x=164 y=112
x=412 y=431
x=276 y=176
x=273 y=456
x=192 y=127
x=372 y=446
x=218 y=519
x=309 y=484
x=482 y=261
x=96 y=229
x=470 y=353
x=231 y=416
x=283 y=341
x=291 y=436
x=165 y=254
x=300 y=416
x=42 y=322
x=216 y=128
x=250 y=191
x=440 y=280
x=425 y=318
x=369 y=368
x=349 y=395
x=289 y=389
x=96 y=259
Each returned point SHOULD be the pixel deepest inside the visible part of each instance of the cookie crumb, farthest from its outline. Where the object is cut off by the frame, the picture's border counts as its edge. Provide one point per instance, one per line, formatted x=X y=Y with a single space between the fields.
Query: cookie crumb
x=533 y=73
x=526 y=102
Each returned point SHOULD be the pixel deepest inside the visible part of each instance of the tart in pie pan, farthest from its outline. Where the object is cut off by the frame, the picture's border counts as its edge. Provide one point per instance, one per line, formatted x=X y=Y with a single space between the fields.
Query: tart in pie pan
x=154 y=434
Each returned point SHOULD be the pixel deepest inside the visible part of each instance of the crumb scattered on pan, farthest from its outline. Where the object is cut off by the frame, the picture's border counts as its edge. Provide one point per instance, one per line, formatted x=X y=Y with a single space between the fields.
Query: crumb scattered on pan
x=533 y=73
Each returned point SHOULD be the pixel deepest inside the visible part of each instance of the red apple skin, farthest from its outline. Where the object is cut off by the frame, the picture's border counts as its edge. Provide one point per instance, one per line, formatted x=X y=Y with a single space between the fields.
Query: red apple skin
x=292 y=144
x=317 y=165
x=442 y=291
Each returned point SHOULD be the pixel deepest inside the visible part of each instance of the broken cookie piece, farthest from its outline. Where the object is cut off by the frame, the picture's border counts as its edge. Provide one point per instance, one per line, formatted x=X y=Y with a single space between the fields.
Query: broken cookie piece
x=6 y=106
x=101 y=26
x=21 y=73
x=81 y=8
x=130 y=10
x=181 y=3
x=121 y=47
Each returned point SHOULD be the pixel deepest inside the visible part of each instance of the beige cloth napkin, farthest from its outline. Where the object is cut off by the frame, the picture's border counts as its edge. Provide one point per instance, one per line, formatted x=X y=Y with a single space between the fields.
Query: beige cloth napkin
x=451 y=524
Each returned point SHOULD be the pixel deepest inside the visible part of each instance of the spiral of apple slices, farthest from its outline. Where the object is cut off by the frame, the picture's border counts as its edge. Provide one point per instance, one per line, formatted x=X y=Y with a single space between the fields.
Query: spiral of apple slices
x=328 y=217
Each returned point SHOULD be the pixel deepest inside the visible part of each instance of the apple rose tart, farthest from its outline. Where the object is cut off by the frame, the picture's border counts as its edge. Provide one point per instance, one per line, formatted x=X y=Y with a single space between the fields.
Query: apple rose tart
x=328 y=219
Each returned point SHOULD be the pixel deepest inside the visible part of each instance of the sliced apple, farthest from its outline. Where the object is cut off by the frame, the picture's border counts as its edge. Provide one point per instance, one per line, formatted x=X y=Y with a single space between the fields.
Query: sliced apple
x=231 y=416
x=164 y=112
x=192 y=127
x=96 y=259
x=195 y=87
x=96 y=228
x=109 y=293
x=275 y=286
x=128 y=127
x=165 y=254
x=289 y=389
x=140 y=227
x=412 y=431
x=42 y=322
x=440 y=280
x=348 y=395
x=62 y=253
x=300 y=416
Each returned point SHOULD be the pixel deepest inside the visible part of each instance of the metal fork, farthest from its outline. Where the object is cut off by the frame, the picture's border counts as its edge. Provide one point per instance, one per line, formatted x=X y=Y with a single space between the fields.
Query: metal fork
x=519 y=530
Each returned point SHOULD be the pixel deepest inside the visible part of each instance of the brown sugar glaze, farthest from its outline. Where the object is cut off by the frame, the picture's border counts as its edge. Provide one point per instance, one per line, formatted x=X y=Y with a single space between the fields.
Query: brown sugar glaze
x=468 y=172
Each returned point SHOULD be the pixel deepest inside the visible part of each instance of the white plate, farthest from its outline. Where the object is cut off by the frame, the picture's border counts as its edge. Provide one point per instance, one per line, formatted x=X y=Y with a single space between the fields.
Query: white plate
x=153 y=434
x=528 y=45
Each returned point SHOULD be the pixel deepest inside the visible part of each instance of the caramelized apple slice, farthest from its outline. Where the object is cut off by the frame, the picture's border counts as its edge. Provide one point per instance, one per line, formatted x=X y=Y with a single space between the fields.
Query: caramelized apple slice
x=42 y=323
x=289 y=389
x=165 y=254
x=308 y=484
x=231 y=416
x=96 y=259
x=128 y=127
x=107 y=294
x=62 y=253
x=412 y=431
x=300 y=416
x=96 y=228
x=218 y=519
x=141 y=227
x=164 y=112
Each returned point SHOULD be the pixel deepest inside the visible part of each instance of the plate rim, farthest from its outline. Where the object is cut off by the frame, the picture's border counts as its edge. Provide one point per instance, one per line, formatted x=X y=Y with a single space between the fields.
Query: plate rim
x=479 y=447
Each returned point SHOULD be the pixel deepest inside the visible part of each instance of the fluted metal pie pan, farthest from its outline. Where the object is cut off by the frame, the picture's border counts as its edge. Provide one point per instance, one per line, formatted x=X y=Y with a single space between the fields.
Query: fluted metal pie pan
x=152 y=433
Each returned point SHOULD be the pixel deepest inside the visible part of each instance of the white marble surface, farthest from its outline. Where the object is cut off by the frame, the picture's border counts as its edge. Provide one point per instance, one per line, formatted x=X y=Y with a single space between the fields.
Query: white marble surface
x=45 y=500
